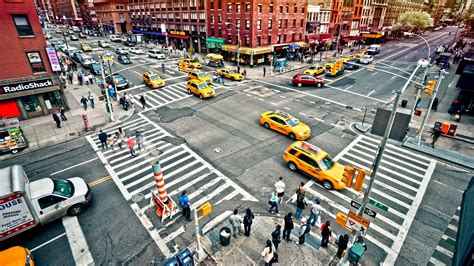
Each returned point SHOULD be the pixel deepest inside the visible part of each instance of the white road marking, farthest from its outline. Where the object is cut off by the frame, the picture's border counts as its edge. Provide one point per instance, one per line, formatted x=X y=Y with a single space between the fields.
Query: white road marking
x=445 y=251
x=393 y=77
x=138 y=73
x=281 y=96
x=370 y=93
x=287 y=108
x=375 y=73
x=77 y=241
x=312 y=102
x=358 y=94
x=301 y=113
x=74 y=166
x=47 y=242
x=272 y=103
x=436 y=262
x=346 y=89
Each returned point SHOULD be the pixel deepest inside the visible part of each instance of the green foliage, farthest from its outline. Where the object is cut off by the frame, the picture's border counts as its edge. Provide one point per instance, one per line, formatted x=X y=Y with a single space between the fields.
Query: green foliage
x=414 y=20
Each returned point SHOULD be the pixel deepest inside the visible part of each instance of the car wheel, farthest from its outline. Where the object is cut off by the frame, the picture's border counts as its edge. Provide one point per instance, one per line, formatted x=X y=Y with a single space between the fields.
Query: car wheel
x=189 y=91
x=14 y=151
x=292 y=136
x=319 y=84
x=266 y=125
x=299 y=84
x=327 y=185
x=75 y=210
x=292 y=166
x=200 y=96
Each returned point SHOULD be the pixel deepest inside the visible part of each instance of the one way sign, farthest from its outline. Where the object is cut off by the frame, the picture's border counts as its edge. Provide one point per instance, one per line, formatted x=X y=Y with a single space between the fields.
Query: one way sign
x=367 y=211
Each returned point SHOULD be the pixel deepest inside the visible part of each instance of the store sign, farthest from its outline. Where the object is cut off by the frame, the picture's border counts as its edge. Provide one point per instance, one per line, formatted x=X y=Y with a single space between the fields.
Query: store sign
x=24 y=86
x=53 y=59
x=182 y=33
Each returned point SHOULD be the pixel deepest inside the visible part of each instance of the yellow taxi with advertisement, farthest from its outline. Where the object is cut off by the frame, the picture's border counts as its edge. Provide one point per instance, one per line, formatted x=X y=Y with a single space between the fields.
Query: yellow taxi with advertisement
x=229 y=74
x=16 y=256
x=347 y=58
x=153 y=80
x=189 y=63
x=285 y=124
x=315 y=70
x=316 y=163
x=199 y=88
x=85 y=47
x=201 y=76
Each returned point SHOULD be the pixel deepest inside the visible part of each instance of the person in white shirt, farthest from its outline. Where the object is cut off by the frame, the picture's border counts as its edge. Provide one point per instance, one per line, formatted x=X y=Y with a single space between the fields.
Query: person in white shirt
x=280 y=190
x=315 y=211
x=268 y=253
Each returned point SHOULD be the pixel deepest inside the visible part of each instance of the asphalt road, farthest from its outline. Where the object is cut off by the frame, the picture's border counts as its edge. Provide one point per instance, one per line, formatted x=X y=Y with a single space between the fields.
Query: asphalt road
x=217 y=151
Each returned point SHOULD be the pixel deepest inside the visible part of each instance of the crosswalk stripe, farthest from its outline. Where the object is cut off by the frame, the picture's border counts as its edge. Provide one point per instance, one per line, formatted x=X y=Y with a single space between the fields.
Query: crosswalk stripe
x=453 y=227
x=158 y=98
x=189 y=184
x=436 y=262
x=211 y=195
x=444 y=251
x=228 y=197
x=180 y=90
x=139 y=157
x=149 y=99
x=173 y=92
x=205 y=187
x=148 y=139
x=126 y=151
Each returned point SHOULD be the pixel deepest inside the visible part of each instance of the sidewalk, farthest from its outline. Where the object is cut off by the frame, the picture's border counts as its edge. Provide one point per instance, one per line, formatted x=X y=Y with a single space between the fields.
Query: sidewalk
x=42 y=131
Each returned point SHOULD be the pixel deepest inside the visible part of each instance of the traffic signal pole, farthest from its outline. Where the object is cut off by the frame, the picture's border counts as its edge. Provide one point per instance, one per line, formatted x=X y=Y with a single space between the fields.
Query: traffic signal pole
x=376 y=164
x=418 y=91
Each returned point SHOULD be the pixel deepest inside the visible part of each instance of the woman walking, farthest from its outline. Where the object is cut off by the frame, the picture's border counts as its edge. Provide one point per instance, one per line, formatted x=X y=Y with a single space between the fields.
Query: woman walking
x=268 y=253
x=273 y=202
x=248 y=222
x=131 y=145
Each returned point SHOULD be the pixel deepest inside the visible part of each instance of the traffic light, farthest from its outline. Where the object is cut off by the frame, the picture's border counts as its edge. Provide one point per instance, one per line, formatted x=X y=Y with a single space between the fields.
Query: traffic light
x=204 y=210
x=430 y=87
x=348 y=175
x=359 y=183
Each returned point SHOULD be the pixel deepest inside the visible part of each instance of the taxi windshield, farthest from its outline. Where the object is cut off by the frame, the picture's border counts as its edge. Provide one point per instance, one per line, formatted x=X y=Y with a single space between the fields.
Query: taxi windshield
x=326 y=163
x=63 y=188
x=202 y=86
x=201 y=75
x=231 y=71
x=154 y=77
x=292 y=122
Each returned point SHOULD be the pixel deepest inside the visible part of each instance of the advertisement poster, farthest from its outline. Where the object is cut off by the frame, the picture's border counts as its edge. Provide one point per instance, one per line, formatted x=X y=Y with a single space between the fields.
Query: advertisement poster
x=14 y=215
x=53 y=59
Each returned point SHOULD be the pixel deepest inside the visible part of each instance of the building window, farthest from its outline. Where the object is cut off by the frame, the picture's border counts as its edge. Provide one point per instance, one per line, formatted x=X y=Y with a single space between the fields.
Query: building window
x=122 y=17
x=302 y=10
x=302 y=22
x=219 y=19
x=271 y=8
x=269 y=40
x=212 y=19
x=270 y=24
x=301 y=36
x=286 y=23
x=296 y=9
x=294 y=22
x=219 y=4
x=281 y=9
x=229 y=38
x=279 y=23
x=229 y=8
x=212 y=4
x=247 y=24
x=279 y=39
x=36 y=63
x=228 y=23
x=238 y=8
x=287 y=8
x=247 y=41
x=284 y=38
x=259 y=8
x=22 y=24
x=259 y=24
x=237 y=23
x=247 y=8
x=259 y=40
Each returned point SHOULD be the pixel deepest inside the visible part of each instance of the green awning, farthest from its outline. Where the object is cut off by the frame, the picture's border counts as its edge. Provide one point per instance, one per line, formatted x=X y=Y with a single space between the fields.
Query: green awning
x=214 y=40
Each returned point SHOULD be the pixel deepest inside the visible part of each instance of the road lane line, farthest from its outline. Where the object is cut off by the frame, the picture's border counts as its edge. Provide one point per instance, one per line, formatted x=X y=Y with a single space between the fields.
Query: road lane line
x=393 y=77
x=77 y=241
x=47 y=242
x=287 y=108
x=138 y=73
x=375 y=73
x=358 y=94
x=100 y=180
x=370 y=93
x=301 y=113
x=69 y=168
x=348 y=88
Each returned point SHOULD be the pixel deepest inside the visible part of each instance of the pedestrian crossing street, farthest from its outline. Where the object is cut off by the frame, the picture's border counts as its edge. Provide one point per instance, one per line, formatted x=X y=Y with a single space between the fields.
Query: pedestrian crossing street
x=444 y=251
x=170 y=93
x=182 y=169
x=400 y=184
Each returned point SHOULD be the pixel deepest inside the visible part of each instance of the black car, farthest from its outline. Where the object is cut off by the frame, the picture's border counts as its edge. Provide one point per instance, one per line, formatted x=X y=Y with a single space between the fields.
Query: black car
x=129 y=43
x=124 y=59
x=73 y=38
x=350 y=65
x=121 y=83
x=96 y=69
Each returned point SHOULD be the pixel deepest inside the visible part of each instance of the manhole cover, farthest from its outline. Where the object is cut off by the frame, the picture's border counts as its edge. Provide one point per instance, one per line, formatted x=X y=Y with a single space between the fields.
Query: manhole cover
x=72 y=134
x=137 y=197
x=218 y=150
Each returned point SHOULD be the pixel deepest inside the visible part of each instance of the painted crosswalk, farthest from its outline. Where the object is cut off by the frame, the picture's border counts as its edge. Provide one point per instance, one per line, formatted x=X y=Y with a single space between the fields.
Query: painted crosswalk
x=166 y=95
x=400 y=185
x=182 y=168
x=444 y=251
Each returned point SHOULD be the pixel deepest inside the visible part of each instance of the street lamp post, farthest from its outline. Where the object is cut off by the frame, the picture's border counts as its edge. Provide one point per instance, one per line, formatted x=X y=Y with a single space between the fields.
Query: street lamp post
x=238 y=41
x=378 y=158
x=109 y=104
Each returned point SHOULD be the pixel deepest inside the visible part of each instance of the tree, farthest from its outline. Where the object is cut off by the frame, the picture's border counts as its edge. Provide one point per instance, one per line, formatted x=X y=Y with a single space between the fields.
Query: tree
x=414 y=20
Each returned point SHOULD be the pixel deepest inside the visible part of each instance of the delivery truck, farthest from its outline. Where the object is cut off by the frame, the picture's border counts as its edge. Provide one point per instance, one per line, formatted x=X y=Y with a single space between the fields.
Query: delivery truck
x=25 y=204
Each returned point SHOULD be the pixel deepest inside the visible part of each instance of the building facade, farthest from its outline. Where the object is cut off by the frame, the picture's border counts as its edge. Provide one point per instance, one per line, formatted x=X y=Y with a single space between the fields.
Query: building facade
x=397 y=7
x=113 y=16
x=181 y=24
x=68 y=11
x=265 y=26
x=28 y=85
x=319 y=16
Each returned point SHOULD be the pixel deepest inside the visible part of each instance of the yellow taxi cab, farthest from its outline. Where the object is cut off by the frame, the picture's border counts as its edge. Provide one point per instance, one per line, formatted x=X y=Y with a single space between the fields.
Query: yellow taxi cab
x=316 y=163
x=329 y=65
x=315 y=70
x=229 y=74
x=199 y=88
x=153 y=80
x=285 y=124
x=359 y=55
x=71 y=32
x=86 y=47
x=201 y=76
x=58 y=30
x=16 y=256
x=189 y=63
x=346 y=58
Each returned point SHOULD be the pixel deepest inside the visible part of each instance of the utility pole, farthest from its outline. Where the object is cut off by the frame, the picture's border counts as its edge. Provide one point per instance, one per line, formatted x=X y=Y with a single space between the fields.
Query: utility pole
x=238 y=46
x=418 y=91
x=109 y=104
x=433 y=96
x=378 y=159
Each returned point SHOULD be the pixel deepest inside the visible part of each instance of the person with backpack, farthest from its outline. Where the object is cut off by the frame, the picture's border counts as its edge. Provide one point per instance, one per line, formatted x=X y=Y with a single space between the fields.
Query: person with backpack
x=300 y=205
x=300 y=191
x=273 y=202
x=305 y=229
x=325 y=233
x=248 y=222
x=276 y=236
x=288 y=226
x=315 y=212
x=183 y=202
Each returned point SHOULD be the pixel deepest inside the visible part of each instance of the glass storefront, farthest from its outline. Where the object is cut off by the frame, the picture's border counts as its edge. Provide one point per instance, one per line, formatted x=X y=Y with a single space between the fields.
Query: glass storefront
x=32 y=106
x=53 y=100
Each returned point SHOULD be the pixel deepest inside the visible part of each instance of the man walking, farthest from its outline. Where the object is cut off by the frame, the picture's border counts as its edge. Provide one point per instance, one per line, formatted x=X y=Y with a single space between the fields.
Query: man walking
x=435 y=135
x=280 y=189
x=236 y=220
x=300 y=205
x=56 y=119
x=131 y=145
x=342 y=244
x=315 y=211
x=305 y=229
x=325 y=233
x=184 y=204
x=62 y=111
x=103 y=139
x=84 y=103
x=139 y=139
x=276 y=236
x=288 y=227
x=91 y=99
x=264 y=71
x=143 y=101
x=248 y=222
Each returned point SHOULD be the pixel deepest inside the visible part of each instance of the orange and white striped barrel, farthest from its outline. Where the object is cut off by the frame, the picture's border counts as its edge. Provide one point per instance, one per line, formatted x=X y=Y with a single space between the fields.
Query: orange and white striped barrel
x=159 y=181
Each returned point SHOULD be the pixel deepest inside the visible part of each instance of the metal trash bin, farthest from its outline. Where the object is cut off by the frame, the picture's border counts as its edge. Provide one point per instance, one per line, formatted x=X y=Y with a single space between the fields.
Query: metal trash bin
x=185 y=258
x=224 y=236
x=356 y=253
x=404 y=103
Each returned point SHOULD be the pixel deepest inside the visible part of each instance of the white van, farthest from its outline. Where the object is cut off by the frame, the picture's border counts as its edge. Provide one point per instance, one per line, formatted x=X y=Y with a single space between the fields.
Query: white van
x=156 y=54
x=114 y=38
x=374 y=49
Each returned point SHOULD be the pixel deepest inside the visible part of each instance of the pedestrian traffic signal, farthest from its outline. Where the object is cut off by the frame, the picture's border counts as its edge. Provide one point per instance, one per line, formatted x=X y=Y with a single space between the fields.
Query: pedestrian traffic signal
x=359 y=183
x=348 y=175
x=204 y=210
x=430 y=87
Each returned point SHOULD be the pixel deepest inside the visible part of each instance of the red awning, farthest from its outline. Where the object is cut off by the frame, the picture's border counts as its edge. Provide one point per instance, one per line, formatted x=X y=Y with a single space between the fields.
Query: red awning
x=184 y=37
x=9 y=109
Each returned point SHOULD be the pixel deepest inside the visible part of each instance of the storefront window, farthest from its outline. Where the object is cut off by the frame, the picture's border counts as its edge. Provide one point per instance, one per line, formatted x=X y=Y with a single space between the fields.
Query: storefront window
x=36 y=62
x=53 y=100
x=31 y=104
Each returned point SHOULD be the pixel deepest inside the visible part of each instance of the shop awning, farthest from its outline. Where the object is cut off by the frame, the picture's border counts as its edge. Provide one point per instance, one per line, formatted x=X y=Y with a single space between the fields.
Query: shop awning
x=302 y=44
x=247 y=50
x=156 y=33
x=294 y=46
x=215 y=40
x=174 y=36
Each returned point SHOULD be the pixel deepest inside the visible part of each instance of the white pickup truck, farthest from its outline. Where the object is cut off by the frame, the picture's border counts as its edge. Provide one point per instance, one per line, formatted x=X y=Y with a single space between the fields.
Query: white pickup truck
x=24 y=205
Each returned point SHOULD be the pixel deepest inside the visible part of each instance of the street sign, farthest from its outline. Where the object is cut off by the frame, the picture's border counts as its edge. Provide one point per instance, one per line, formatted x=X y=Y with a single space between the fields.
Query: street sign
x=367 y=211
x=378 y=205
x=357 y=223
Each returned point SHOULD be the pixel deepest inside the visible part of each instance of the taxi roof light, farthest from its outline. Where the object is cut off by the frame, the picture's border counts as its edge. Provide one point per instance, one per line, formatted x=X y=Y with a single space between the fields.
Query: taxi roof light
x=310 y=147
x=284 y=114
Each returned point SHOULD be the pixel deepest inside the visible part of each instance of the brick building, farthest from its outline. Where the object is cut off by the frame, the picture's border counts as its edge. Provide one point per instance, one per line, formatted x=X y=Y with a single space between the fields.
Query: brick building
x=180 y=23
x=28 y=85
x=319 y=15
x=68 y=11
x=265 y=26
x=113 y=15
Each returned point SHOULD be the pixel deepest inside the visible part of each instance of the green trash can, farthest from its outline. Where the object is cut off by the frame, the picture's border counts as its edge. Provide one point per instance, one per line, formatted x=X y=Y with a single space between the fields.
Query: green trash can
x=224 y=236
x=356 y=253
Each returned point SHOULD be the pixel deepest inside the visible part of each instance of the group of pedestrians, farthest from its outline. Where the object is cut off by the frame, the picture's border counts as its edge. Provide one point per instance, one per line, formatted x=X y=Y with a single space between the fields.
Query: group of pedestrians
x=119 y=138
x=82 y=78
x=59 y=116
x=89 y=99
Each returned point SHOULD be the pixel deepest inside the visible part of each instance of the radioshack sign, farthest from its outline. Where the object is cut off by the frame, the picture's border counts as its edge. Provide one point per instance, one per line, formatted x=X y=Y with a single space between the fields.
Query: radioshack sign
x=25 y=86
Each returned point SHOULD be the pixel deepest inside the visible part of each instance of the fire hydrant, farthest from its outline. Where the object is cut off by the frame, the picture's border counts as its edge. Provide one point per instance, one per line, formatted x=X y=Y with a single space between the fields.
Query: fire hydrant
x=87 y=124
